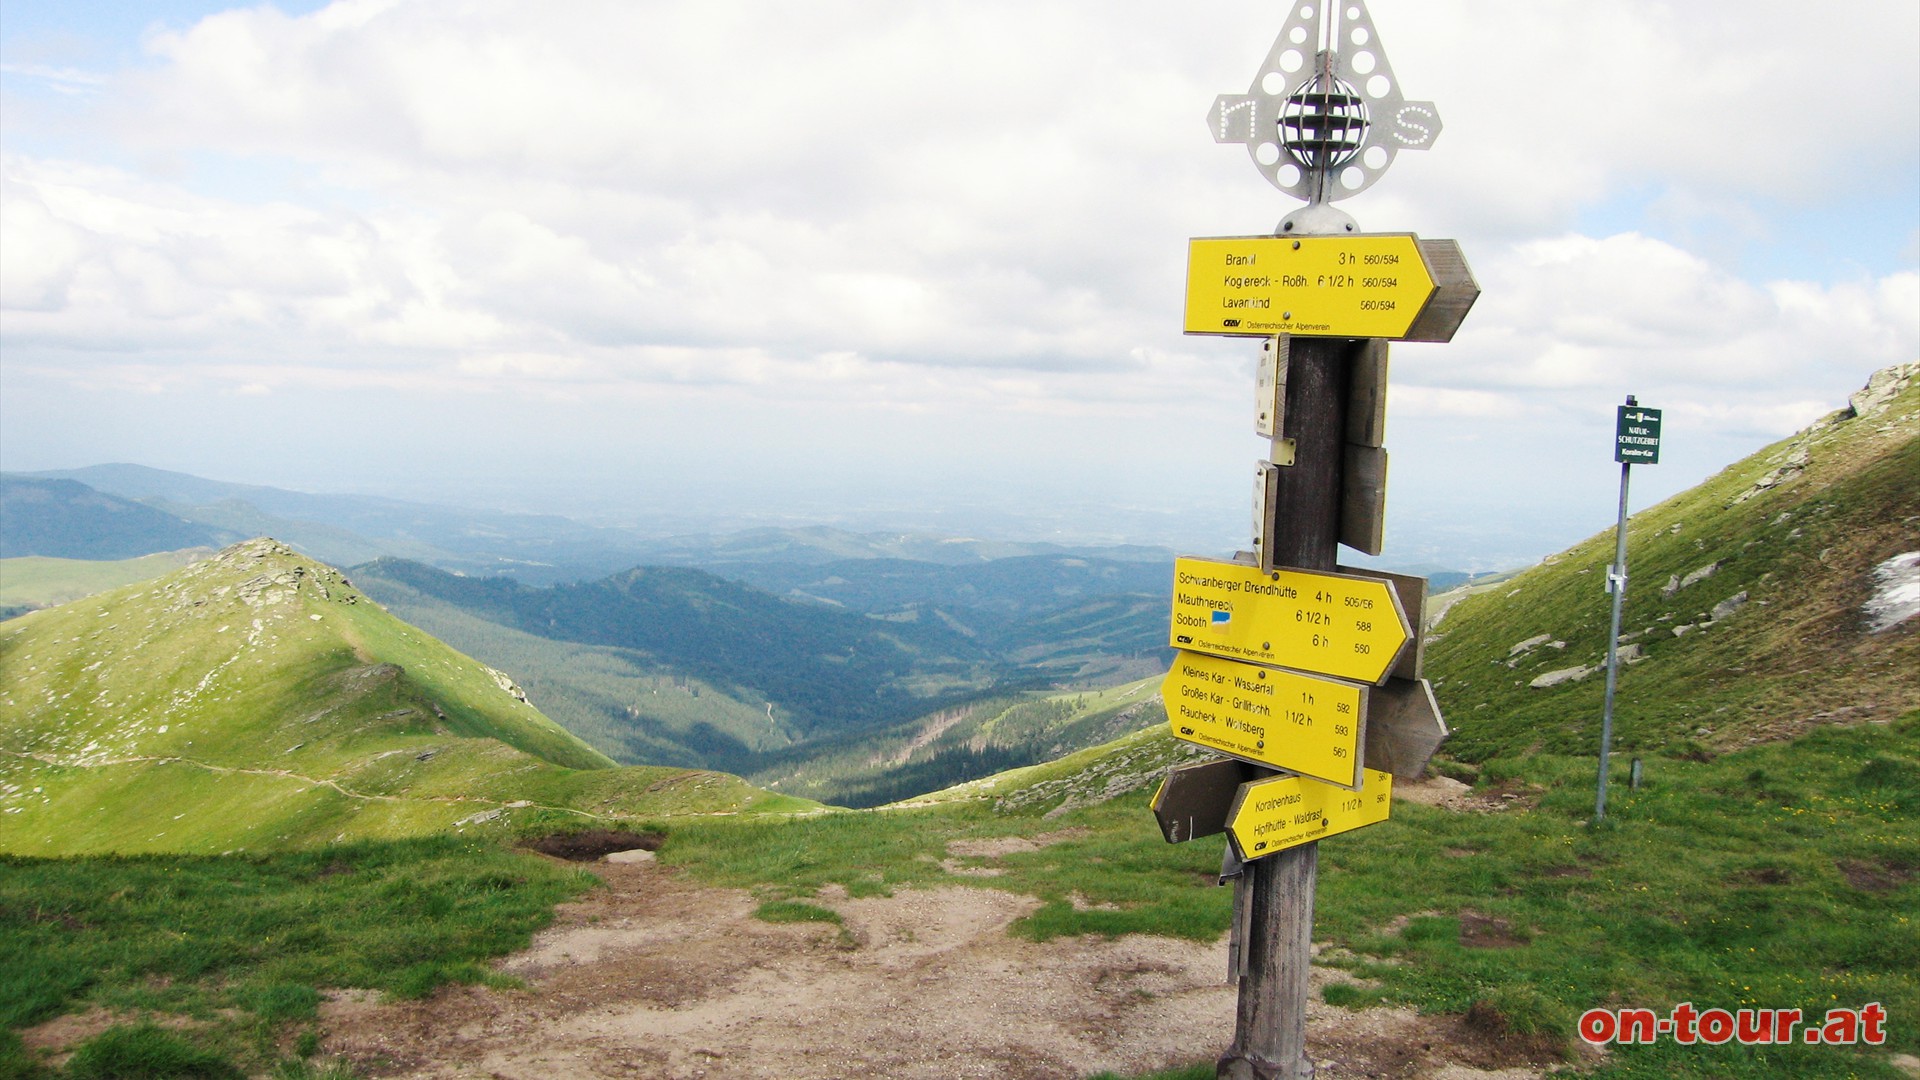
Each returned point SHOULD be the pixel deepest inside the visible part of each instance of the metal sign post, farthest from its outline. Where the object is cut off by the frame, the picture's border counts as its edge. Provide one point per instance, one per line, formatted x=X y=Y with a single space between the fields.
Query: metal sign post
x=1322 y=120
x=1636 y=437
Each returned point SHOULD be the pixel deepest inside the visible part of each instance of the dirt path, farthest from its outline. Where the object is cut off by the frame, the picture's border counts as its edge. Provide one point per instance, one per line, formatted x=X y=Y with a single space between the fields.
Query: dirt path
x=656 y=976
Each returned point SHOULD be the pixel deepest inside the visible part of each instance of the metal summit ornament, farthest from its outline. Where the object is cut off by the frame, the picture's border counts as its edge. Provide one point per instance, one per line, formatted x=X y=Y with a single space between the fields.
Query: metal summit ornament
x=1324 y=116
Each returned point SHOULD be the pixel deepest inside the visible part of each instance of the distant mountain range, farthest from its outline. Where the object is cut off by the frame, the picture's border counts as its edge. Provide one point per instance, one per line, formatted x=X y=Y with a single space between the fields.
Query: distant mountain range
x=693 y=650
x=68 y=519
x=345 y=530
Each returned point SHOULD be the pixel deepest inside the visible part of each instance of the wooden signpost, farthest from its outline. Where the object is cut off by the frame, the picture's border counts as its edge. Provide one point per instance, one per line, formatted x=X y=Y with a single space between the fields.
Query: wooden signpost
x=1308 y=675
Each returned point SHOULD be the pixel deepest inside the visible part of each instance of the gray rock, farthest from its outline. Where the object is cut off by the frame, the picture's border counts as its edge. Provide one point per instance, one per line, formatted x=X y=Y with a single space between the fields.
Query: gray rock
x=1700 y=575
x=1564 y=675
x=1531 y=643
x=637 y=855
x=1730 y=605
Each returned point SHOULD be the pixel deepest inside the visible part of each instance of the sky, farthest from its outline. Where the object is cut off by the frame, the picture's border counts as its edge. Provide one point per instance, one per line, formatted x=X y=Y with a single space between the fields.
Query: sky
x=920 y=265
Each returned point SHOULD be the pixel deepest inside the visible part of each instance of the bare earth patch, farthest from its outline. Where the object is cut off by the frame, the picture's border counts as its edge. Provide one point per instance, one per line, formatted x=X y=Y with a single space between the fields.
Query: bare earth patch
x=1450 y=794
x=657 y=976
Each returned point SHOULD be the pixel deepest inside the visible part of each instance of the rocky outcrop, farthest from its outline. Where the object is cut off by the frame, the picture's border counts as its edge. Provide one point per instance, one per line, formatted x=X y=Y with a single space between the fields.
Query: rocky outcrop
x=1883 y=386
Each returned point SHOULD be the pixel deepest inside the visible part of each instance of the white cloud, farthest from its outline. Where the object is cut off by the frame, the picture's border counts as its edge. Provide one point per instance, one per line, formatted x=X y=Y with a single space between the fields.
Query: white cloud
x=958 y=210
x=1573 y=319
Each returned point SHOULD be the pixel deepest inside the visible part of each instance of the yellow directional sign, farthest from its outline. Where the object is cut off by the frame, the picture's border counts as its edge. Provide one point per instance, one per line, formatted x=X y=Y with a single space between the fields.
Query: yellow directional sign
x=1287 y=811
x=1342 y=625
x=1268 y=716
x=1359 y=286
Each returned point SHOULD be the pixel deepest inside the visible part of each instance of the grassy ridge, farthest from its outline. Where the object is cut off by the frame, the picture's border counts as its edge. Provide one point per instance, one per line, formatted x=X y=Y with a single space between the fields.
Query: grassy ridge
x=258 y=700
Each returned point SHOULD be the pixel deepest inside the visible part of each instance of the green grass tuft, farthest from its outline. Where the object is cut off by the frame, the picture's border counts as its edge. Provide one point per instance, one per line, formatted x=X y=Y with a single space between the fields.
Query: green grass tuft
x=146 y=1052
x=790 y=911
x=261 y=933
x=1189 y=1072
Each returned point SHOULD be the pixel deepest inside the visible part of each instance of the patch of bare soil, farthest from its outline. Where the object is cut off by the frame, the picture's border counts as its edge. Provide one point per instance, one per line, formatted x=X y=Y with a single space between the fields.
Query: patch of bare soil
x=1874 y=877
x=1479 y=931
x=659 y=977
x=594 y=843
x=54 y=1041
x=1450 y=794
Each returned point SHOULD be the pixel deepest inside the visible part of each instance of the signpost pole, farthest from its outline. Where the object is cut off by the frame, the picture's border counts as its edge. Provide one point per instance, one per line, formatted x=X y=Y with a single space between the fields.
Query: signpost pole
x=1322 y=119
x=1270 y=1029
x=1617 y=585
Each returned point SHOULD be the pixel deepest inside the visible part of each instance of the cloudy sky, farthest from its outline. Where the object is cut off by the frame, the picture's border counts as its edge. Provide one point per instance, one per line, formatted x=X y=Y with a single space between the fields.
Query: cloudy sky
x=890 y=263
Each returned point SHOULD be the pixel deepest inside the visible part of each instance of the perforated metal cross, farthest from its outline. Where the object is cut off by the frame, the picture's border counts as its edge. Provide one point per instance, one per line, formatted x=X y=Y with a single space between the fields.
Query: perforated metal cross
x=1324 y=116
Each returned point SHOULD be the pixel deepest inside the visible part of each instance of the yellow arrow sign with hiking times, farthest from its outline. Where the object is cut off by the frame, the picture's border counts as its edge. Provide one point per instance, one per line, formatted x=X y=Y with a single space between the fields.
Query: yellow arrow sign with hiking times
x=1327 y=624
x=1287 y=811
x=1363 y=286
x=1300 y=723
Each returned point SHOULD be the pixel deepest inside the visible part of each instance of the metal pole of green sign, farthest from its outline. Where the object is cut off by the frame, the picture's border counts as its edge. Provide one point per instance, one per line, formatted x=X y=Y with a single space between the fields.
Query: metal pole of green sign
x=1636 y=437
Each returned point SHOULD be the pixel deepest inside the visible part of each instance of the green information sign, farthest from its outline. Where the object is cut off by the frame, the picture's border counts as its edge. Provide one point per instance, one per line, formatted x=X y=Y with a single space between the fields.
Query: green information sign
x=1636 y=436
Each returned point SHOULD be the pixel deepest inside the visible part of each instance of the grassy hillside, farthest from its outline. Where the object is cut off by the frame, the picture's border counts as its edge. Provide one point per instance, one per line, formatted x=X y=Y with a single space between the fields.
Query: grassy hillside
x=258 y=700
x=1744 y=616
x=624 y=702
x=830 y=670
x=964 y=742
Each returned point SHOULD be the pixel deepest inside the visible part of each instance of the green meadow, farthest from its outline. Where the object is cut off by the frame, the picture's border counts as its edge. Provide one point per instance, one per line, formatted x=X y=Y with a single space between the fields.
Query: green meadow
x=1783 y=876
